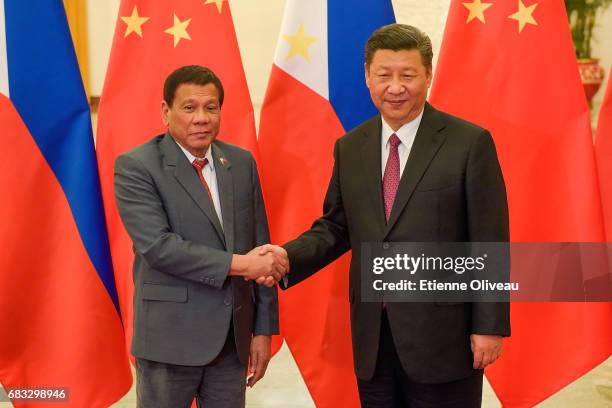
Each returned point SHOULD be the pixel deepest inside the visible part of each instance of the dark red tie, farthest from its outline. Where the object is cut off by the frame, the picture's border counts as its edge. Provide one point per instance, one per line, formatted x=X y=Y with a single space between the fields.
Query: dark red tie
x=198 y=165
x=391 y=178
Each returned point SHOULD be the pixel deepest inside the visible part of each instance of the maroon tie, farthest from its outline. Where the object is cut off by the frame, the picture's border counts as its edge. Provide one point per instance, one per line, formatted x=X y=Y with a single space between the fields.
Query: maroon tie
x=198 y=165
x=391 y=177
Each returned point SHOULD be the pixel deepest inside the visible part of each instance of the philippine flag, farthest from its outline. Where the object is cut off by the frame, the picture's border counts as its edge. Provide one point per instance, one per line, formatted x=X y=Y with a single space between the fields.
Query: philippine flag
x=59 y=322
x=316 y=93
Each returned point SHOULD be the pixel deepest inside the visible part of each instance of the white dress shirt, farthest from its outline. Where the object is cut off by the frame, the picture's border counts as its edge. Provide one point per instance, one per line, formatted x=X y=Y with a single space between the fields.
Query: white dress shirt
x=209 y=175
x=406 y=134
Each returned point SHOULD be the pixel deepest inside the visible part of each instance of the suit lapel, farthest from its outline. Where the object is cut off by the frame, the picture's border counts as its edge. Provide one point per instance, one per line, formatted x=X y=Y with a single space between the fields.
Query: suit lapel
x=187 y=177
x=427 y=142
x=225 y=185
x=370 y=156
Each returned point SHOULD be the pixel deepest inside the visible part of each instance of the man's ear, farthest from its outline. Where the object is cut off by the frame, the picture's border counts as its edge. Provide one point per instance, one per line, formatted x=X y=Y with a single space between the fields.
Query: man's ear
x=164 y=112
x=366 y=69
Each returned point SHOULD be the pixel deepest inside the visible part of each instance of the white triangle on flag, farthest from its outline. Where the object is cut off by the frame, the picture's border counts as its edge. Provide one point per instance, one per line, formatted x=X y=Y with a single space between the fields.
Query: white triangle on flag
x=301 y=49
x=4 y=84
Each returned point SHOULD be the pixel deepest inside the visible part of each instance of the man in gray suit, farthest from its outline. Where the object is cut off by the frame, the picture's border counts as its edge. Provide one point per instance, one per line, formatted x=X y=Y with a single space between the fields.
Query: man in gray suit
x=194 y=210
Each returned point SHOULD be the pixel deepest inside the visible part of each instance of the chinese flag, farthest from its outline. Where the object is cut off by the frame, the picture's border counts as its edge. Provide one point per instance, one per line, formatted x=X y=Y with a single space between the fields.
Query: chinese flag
x=152 y=39
x=603 y=150
x=499 y=68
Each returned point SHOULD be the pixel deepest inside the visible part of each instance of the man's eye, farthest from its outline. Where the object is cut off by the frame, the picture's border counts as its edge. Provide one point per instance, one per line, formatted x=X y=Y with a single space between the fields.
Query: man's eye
x=188 y=108
x=213 y=108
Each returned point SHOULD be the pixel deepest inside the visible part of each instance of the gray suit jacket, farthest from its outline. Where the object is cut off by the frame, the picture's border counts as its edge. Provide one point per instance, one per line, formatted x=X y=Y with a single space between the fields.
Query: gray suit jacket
x=184 y=301
x=452 y=189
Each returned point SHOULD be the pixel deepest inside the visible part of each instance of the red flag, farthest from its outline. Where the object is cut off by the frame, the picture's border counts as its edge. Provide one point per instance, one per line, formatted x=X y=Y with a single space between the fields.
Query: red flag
x=498 y=69
x=603 y=151
x=61 y=337
x=152 y=39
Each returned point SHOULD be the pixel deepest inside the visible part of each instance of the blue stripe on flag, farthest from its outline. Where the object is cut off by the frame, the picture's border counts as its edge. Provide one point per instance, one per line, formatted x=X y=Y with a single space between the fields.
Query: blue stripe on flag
x=46 y=88
x=349 y=25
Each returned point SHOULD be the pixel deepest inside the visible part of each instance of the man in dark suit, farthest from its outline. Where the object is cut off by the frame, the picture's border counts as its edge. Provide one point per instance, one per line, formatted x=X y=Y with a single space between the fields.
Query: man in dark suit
x=193 y=208
x=416 y=174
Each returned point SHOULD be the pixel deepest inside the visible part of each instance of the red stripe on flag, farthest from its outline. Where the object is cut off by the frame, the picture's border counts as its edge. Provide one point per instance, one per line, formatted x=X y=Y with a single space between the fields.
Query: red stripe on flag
x=296 y=137
x=603 y=151
x=59 y=326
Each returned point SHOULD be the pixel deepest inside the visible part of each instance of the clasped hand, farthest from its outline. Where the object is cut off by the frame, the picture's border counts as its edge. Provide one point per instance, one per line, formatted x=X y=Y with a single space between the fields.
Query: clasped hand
x=266 y=264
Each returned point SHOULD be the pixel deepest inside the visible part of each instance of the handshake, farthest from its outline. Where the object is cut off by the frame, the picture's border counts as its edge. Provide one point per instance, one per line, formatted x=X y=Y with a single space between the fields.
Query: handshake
x=266 y=265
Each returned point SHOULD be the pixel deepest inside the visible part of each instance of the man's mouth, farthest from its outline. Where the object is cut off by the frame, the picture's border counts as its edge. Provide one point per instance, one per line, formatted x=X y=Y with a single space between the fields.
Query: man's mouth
x=397 y=103
x=200 y=134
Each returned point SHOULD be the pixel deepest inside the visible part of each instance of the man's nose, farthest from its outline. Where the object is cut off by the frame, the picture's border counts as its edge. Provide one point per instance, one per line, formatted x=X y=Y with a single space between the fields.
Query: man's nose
x=201 y=116
x=396 y=86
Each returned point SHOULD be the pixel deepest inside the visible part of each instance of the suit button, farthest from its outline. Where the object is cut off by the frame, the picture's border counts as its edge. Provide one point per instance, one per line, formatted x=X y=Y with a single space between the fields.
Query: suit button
x=226 y=302
x=385 y=245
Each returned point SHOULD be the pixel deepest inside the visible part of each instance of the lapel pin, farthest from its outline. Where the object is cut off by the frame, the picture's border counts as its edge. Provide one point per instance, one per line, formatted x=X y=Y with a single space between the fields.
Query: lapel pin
x=223 y=161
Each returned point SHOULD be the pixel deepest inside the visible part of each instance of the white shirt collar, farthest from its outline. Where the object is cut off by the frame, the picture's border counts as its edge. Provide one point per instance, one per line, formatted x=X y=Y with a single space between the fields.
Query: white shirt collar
x=406 y=133
x=191 y=157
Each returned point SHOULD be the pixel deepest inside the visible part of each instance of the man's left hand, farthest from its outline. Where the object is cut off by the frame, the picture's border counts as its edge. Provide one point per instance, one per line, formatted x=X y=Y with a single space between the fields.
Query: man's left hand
x=486 y=349
x=259 y=358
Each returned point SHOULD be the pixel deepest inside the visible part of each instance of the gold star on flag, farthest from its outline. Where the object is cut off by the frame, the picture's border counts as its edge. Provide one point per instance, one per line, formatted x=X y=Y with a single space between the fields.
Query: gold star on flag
x=299 y=43
x=524 y=15
x=179 y=30
x=134 y=23
x=219 y=4
x=477 y=10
